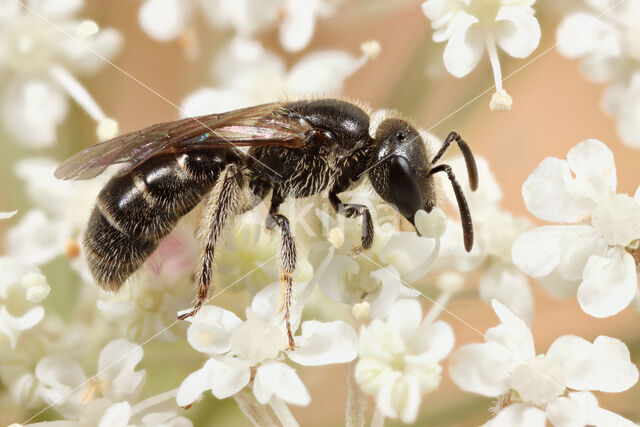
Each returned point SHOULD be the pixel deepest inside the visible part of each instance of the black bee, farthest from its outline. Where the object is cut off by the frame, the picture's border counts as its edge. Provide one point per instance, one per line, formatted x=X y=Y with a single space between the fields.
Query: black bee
x=296 y=149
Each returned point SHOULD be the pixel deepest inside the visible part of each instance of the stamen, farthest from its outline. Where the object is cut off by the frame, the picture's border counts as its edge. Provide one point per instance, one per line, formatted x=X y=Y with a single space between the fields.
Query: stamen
x=87 y=28
x=78 y=92
x=370 y=49
x=107 y=128
x=500 y=101
x=449 y=283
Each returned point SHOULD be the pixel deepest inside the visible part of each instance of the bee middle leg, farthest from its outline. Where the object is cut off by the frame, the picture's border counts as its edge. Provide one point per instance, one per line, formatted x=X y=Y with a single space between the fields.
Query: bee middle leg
x=221 y=208
x=351 y=210
x=287 y=259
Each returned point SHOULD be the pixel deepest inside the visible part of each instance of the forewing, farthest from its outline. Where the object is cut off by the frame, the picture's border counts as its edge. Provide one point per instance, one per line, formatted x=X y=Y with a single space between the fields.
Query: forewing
x=254 y=126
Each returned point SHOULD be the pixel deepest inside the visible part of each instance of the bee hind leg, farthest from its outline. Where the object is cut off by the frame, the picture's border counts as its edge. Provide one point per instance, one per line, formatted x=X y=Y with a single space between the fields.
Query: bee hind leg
x=222 y=207
x=287 y=260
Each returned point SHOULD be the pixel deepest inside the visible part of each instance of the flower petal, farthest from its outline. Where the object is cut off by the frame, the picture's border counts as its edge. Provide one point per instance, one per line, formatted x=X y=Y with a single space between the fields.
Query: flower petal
x=211 y=328
x=513 y=334
x=481 y=368
x=518 y=32
x=518 y=414
x=618 y=219
x=548 y=196
x=604 y=365
x=322 y=71
x=282 y=381
x=325 y=343
x=570 y=411
x=507 y=285
x=57 y=9
x=465 y=47
x=390 y=289
x=117 y=361
x=595 y=170
x=116 y=415
x=209 y=100
x=224 y=377
x=37 y=239
x=298 y=25
x=92 y=54
x=32 y=110
x=400 y=397
x=405 y=317
x=163 y=20
x=566 y=248
x=609 y=283
x=433 y=340
x=195 y=384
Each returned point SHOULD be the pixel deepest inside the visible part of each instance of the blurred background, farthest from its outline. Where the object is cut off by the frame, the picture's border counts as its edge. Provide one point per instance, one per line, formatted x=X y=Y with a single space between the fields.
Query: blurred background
x=554 y=109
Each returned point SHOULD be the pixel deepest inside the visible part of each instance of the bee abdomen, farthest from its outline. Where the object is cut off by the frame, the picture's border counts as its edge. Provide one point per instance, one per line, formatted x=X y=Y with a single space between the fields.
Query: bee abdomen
x=135 y=211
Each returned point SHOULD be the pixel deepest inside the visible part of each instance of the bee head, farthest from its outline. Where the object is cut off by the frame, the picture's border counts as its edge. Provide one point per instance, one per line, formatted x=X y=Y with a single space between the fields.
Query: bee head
x=399 y=168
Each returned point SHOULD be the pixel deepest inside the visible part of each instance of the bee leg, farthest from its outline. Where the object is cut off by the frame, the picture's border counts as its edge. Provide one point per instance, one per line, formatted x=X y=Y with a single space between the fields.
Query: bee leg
x=221 y=208
x=351 y=210
x=287 y=259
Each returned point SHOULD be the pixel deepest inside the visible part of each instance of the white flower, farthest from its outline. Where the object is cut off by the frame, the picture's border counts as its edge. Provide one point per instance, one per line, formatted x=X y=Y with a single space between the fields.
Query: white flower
x=37 y=62
x=495 y=231
x=589 y=254
x=240 y=351
x=37 y=239
x=22 y=289
x=146 y=307
x=249 y=75
x=607 y=40
x=399 y=359
x=67 y=388
x=379 y=275
x=63 y=210
x=506 y=365
x=7 y=215
x=469 y=26
x=107 y=398
x=166 y=20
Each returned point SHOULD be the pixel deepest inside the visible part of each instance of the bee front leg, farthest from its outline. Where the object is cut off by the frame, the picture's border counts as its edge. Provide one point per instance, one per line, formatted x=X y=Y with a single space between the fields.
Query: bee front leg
x=221 y=209
x=351 y=210
x=287 y=259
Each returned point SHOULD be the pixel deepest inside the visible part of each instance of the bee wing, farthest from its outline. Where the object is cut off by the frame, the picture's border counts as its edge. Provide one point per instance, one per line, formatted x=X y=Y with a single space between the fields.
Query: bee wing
x=254 y=126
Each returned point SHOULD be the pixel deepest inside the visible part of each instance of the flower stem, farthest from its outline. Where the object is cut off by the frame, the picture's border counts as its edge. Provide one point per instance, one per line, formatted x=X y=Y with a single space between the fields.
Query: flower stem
x=258 y=414
x=76 y=91
x=354 y=414
x=378 y=419
x=437 y=307
x=283 y=413
x=153 y=400
x=495 y=61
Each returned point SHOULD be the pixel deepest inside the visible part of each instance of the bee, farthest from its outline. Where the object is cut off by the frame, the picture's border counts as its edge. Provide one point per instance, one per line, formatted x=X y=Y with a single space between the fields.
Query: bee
x=295 y=149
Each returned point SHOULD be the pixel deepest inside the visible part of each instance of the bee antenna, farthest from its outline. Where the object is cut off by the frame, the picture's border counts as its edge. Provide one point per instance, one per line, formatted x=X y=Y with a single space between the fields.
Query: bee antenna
x=463 y=207
x=472 y=169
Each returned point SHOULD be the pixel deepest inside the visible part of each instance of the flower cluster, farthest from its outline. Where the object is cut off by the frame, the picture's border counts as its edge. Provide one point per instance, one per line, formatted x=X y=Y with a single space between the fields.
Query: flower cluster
x=605 y=36
x=471 y=26
x=43 y=46
x=555 y=386
x=68 y=351
x=591 y=253
x=166 y=20
x=495 y=232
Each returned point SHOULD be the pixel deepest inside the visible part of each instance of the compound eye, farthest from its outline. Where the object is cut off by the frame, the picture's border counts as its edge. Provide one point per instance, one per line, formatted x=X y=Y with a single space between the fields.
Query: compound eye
x=405 y=187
